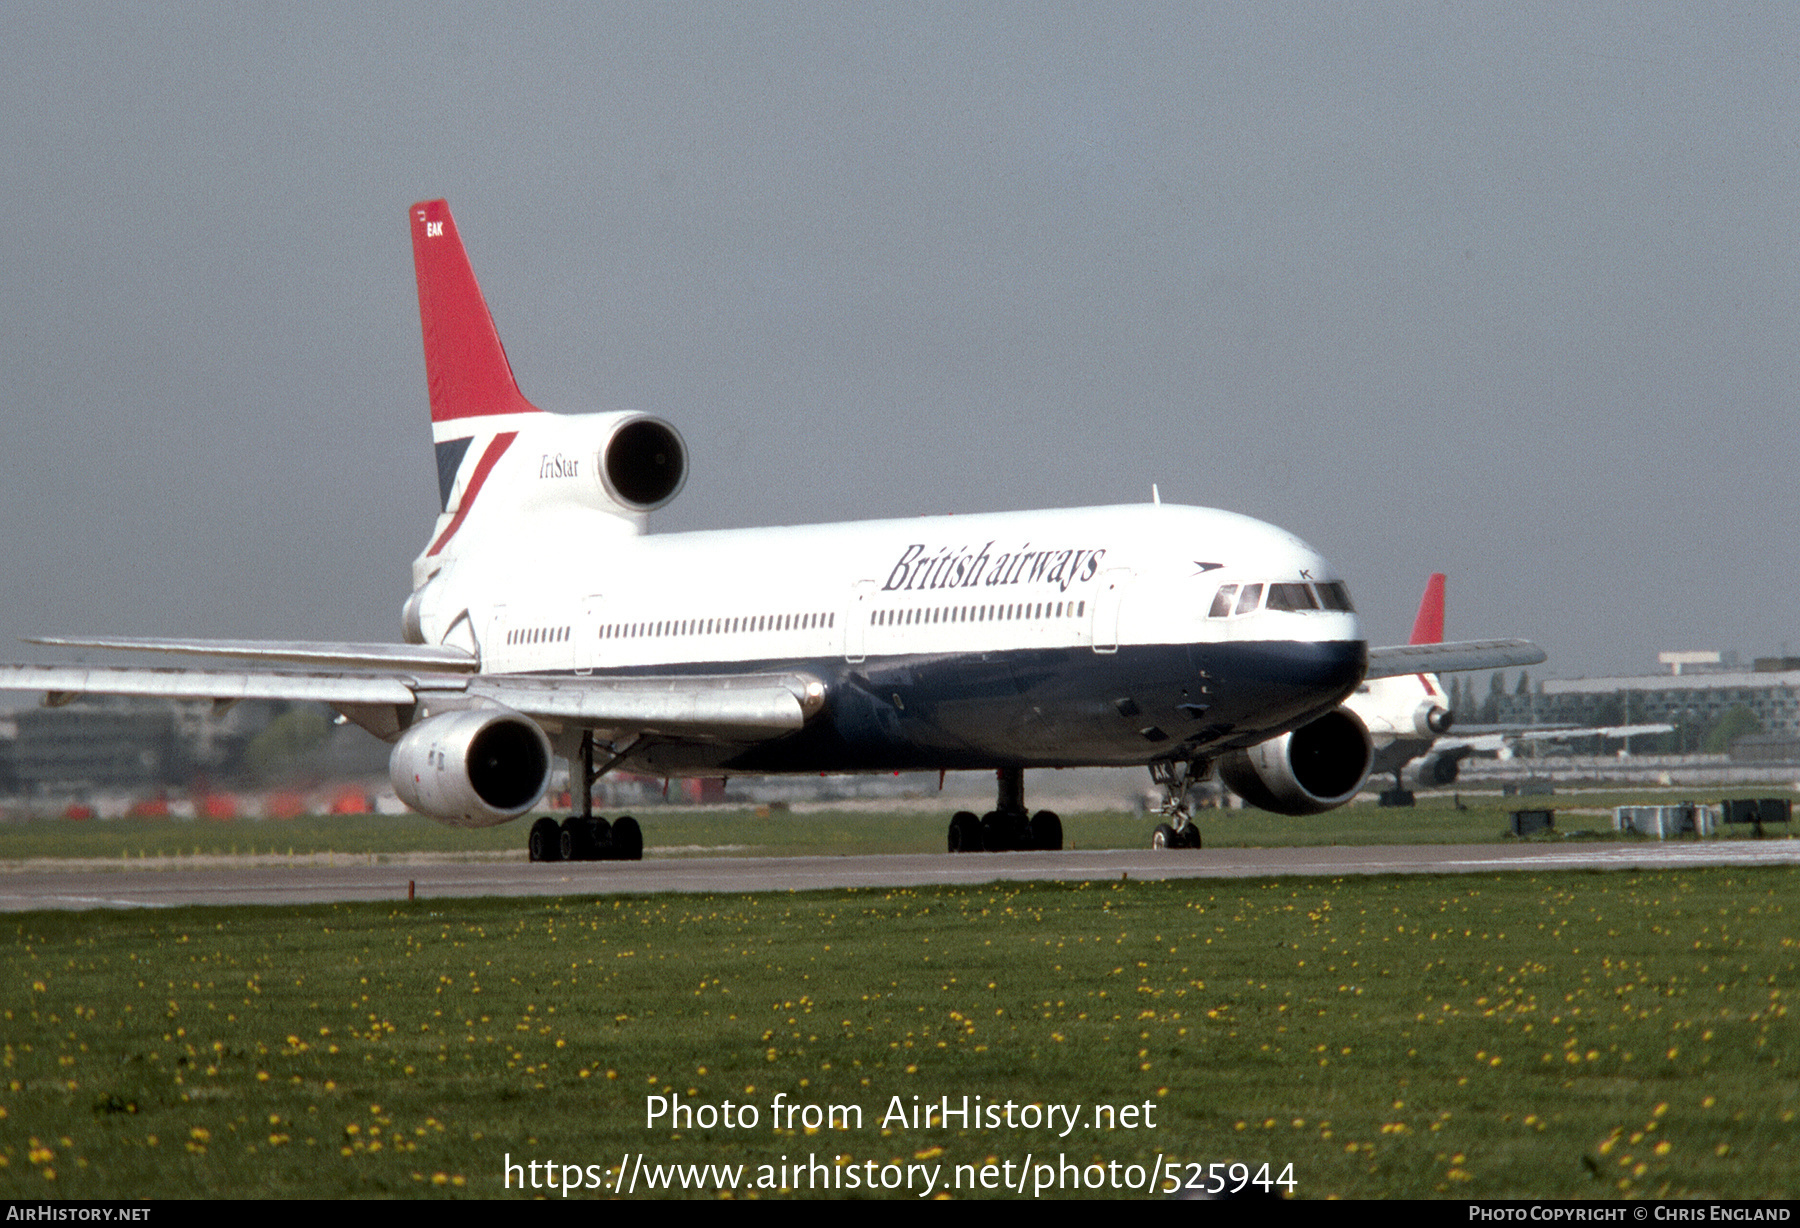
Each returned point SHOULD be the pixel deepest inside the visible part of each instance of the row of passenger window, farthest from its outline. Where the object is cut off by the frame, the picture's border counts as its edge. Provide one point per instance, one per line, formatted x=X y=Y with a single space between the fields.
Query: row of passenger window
x=538 y=635
x=978 y=613
x=743 y=625
x=1232 y=599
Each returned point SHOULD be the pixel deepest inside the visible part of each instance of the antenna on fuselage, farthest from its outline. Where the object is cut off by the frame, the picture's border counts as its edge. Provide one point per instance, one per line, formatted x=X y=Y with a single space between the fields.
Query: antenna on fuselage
x=1155 y=495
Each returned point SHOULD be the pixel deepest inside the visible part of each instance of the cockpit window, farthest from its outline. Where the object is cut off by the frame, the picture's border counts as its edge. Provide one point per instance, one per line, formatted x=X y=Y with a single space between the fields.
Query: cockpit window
x=1233 y=599
x=1336 y=596
x=1291 y=597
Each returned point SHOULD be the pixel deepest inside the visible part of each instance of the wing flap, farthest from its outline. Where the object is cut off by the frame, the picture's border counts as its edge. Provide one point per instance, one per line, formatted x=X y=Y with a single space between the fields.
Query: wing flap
x=1451 y=658
x=730 y=708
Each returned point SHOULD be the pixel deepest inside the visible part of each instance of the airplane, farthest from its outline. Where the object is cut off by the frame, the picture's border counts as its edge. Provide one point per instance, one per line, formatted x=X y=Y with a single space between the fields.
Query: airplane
x=1408 y=713
x=545 y=621
x=1408 y=716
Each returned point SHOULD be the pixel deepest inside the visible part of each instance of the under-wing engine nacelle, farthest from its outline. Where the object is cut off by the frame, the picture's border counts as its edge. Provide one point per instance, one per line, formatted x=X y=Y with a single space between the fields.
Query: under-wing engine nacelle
x=1437 y=770
x=474 y=768
x=1311 y=770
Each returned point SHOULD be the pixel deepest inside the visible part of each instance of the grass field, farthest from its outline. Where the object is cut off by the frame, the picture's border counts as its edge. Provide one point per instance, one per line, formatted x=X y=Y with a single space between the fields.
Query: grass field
x=1548 y=1035
x=677 y=830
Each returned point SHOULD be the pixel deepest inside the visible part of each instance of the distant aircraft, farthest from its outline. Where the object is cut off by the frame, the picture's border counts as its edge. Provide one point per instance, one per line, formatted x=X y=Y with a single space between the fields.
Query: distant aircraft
x=1408 y=715
x=544 y=621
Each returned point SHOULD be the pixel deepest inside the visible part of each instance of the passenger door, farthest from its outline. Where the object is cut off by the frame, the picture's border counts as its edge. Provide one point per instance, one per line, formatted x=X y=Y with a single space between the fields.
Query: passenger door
x=1108 y=598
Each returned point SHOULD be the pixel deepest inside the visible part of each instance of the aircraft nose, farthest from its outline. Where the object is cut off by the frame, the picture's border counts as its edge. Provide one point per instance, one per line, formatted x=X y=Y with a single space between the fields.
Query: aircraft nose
x=1341 y=664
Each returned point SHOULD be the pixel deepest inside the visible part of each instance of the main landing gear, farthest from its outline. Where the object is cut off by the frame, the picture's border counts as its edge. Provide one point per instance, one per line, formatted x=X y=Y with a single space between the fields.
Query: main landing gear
x=1175 y=778
x=587 y=836
x=1008 y=827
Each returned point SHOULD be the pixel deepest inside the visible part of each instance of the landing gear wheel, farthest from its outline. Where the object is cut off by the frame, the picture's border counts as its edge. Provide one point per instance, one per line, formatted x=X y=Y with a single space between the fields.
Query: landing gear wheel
x=1191 y=837
x=1008 y=826
x=965 y=833
x=573 y=840
x=996 y=832
x=1165 y=837
x=584 y=839
x=545 y=841
x=627 y=840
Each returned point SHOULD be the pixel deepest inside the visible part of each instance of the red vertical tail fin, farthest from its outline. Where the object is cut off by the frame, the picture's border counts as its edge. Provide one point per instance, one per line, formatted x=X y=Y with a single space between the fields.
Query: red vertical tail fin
x=1428 y=627
x=465 y=364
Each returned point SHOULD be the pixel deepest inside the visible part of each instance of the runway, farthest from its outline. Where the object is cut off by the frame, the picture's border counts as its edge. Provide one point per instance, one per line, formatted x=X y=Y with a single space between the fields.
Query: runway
x=42 y=885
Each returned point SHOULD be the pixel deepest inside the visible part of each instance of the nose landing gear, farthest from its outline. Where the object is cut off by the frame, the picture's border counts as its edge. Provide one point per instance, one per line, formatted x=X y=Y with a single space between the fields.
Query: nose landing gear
x=1008 y=827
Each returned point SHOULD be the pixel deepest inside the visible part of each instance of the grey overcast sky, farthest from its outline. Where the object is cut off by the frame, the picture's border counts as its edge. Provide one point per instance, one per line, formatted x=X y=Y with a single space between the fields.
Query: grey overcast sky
x=1508 y=291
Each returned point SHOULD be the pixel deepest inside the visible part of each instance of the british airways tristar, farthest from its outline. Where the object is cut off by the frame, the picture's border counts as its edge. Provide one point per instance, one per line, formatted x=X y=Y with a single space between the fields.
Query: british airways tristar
x=546 y=621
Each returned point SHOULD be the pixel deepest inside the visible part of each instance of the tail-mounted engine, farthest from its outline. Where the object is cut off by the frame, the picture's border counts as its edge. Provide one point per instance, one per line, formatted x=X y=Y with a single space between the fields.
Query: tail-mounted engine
x=1431 y=718
x=544 y=478
x=1315 y=768
x=626 y=463
x=476 y=768
x=644 y=464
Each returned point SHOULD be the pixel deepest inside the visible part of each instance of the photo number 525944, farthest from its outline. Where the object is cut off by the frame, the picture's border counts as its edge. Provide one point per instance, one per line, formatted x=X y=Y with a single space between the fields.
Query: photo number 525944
x=1227 y=1180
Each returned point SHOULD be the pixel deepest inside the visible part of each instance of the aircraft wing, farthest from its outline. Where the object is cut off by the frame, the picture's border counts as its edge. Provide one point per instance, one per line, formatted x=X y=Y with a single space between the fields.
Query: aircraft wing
x=295 y=652
x=1590 y=731
x=736 y=708
x=1498 y=737
x=63 y=683
x=1452 y=658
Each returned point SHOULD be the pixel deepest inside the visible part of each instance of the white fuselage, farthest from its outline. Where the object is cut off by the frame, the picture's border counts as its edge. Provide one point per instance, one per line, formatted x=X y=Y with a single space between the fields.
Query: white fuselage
x=1093 y=578
x=1081 y=636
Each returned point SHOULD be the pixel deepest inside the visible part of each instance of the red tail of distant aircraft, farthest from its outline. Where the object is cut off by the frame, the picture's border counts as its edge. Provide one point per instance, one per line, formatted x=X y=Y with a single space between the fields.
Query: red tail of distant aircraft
x=1428 y=627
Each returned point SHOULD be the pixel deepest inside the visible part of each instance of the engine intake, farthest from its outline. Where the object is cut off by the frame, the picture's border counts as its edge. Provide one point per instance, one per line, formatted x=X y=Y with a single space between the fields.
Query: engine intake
x=475 y=768
x=644 y=464
x=1315 y=768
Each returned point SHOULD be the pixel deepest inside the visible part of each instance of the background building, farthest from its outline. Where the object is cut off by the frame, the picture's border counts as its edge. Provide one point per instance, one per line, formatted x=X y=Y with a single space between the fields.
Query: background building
x=1705 y=701
x=118 y=743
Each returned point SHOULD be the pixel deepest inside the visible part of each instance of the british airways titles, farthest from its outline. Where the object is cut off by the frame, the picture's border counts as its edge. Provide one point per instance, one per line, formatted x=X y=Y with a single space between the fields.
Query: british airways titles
x=965 y=567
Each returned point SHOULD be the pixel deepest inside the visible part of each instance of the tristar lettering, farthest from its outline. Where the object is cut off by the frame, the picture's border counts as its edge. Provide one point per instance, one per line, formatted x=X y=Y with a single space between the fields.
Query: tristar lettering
x=919 y=569
x=559 y=466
